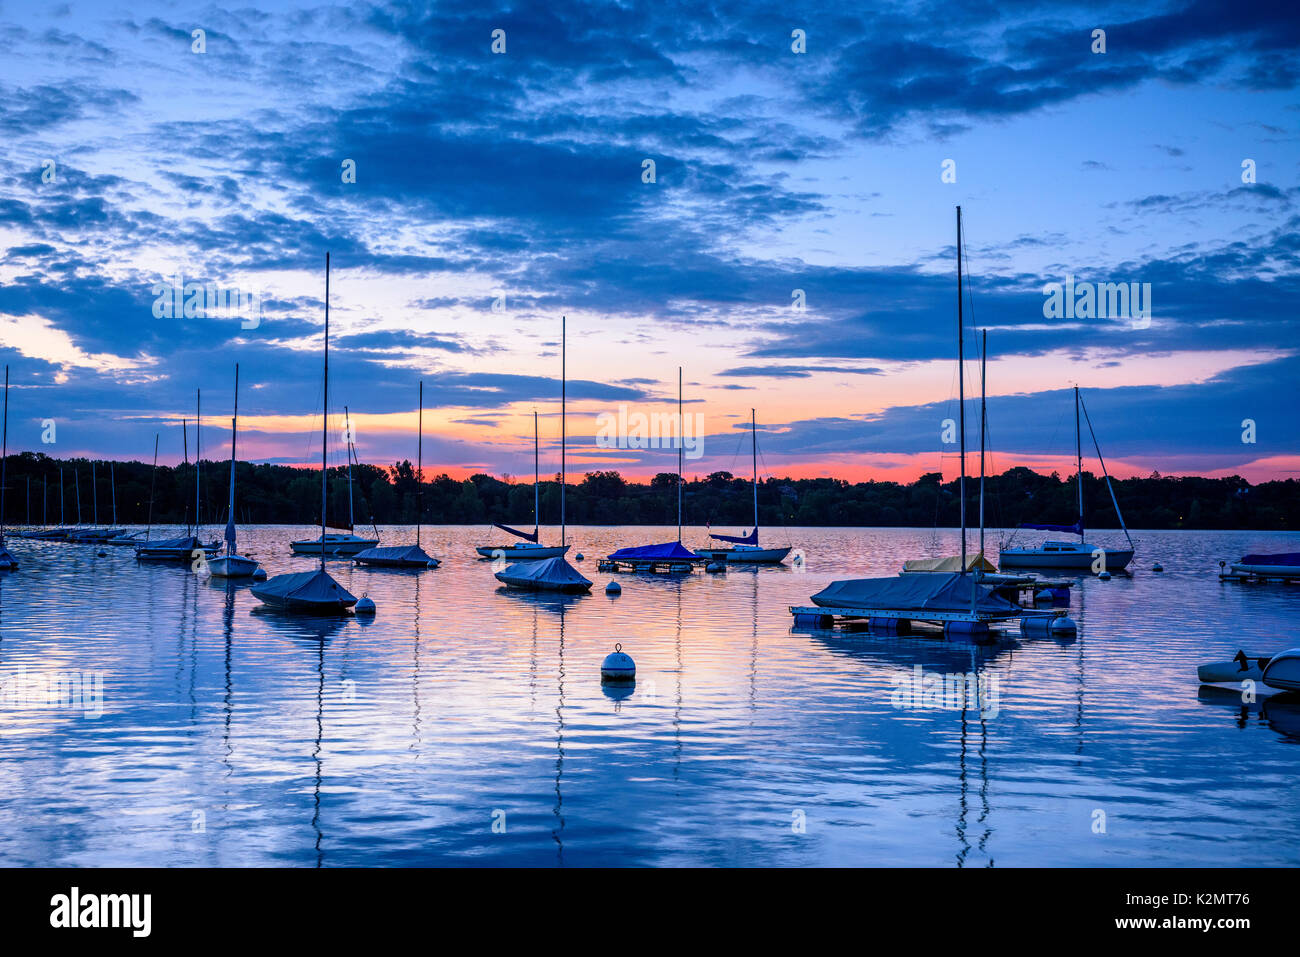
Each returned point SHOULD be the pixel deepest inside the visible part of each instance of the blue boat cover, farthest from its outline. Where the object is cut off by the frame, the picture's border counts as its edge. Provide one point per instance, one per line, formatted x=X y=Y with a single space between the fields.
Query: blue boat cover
x=1288 y=558
x=750 y=539
x=552 y=574
x=1075 y=529
x=230 y=534
x=313 y=588
x=913 y=593
x=526 y=536
x=412 y=554
x=185 y=541
x=656 y=552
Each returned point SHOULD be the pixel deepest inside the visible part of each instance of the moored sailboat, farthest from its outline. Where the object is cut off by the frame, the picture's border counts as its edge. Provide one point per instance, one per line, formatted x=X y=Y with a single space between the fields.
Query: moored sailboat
x=528 y=546
x=405 y=556
x=7 y=561
x=188 y=547
x=232 y=564
x=554 y=573
x=745 y=548
x=312 y=593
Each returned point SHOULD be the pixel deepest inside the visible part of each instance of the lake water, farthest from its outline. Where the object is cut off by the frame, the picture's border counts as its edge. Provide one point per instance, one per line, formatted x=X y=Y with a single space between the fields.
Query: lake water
x=229 y=736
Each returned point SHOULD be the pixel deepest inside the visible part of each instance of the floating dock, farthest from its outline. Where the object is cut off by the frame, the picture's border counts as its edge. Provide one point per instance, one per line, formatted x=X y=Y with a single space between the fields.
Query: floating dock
x=662 y=566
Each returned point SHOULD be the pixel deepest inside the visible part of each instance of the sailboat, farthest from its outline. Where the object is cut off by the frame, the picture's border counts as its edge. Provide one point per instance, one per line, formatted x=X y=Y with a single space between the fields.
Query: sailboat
x=554 y=573
x=187 y=547
x=7 y=562
x=745 y=547
x=312 y=593
x=405 y=556
x=672 y=555
x=529 y=547
x=232 y=564
x=1080 y=554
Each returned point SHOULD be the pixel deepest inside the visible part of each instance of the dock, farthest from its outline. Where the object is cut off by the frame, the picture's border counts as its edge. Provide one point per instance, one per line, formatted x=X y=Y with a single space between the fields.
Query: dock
x=662 y=566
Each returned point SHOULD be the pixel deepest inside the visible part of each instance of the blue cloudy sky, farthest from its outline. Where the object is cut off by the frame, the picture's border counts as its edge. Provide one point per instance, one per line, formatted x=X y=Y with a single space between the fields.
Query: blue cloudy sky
x=496 y=191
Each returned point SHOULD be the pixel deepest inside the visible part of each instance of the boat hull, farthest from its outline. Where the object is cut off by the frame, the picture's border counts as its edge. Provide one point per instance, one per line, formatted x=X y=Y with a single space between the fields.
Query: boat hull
x=568 y=588
x=747 y=556
x=1283 y=671
x=146 y=554
x=304 y=607
x=339 y=546
x=517 y=553
x=1267 y=571
x=1115 y=559
x=232 y=566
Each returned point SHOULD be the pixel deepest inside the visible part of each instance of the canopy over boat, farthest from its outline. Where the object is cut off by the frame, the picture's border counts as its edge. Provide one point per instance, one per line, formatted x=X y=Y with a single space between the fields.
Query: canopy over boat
x=750 y=539
x=549 y=574
x=668 y=550
x=1287 y=558
x=404 y=556
x=314 y=590
x=948 y=593
x=952 y=563
x=183 y=546
x=526 y=536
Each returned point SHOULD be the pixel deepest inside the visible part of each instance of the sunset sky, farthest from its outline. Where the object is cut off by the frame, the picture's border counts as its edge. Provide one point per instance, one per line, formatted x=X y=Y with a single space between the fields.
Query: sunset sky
x=515 y=178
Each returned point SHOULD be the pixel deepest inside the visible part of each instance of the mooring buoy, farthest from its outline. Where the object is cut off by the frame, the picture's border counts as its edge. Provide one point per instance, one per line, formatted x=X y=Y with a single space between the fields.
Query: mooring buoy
x=259 y=575
x=365 y=605
x=613 y=588
x=617 y=666
x=1103 y=576
x=578 y=557
x=1157 y=567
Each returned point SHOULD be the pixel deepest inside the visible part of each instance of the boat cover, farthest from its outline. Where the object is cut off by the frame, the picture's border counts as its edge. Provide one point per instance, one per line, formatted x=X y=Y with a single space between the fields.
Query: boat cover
x=312 y=588
x=750 y=539
x=952 y=563
x=1075 y=529
x=668 y=550
x=913 y=593
x=526 y=536
x=1288 y=558
x=552 y=574
x=188 y=542
x=408 y=554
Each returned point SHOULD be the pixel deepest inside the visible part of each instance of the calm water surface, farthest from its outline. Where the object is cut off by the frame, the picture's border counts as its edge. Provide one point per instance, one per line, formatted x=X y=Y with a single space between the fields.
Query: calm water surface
x=230 y=736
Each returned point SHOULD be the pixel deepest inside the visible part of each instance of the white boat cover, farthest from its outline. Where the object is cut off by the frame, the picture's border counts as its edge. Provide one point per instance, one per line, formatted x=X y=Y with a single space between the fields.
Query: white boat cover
x=952 y=563
x=913 y=593
x=549 y=574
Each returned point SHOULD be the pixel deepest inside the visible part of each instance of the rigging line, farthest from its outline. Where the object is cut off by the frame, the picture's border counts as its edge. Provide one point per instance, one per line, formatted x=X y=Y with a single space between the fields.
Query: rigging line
x=1102 y=462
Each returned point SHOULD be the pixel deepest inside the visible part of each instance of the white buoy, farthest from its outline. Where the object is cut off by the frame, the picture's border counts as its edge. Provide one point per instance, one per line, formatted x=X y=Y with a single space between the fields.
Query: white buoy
x=259 y=575
x=365 y=605
x=1157 y=567
x=715 y=567
x=613 y=588
x=1064 y=625
x=1103 y=576
x=618 y=667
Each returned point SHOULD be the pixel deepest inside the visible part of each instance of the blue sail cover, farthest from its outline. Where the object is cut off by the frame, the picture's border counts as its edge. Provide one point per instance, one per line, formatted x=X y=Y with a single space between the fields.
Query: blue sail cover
x=918 y=593
x=550 y=574
x=305 y=590
x=230 y=534
x=526 y=536
x=668 y=550
x=750 y=539
x=1075 y=529
x=403 y=555
x=1287 y=558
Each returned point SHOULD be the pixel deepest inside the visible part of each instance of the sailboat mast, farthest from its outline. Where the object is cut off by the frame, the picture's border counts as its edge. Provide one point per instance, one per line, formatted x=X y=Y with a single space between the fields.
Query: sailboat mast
x=185 y=444
x=984 y=349
x=564 y=434
x=153 y=476
x=961 y=396
x=45 y=501
x=94 y=499
x=198 y=427
x=419 y=474
x=537 y=476
x=679 y=453
x=325 y=414
x=76 y=481
x=347 y=430
x=62 y=521
x=4 y=458
x=1078 y=460
x=234 y=430
x=753 y=435
x=112 y=485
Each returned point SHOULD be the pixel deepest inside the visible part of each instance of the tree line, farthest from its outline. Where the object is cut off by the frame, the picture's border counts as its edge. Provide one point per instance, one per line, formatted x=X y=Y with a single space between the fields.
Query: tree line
x=283 y=494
